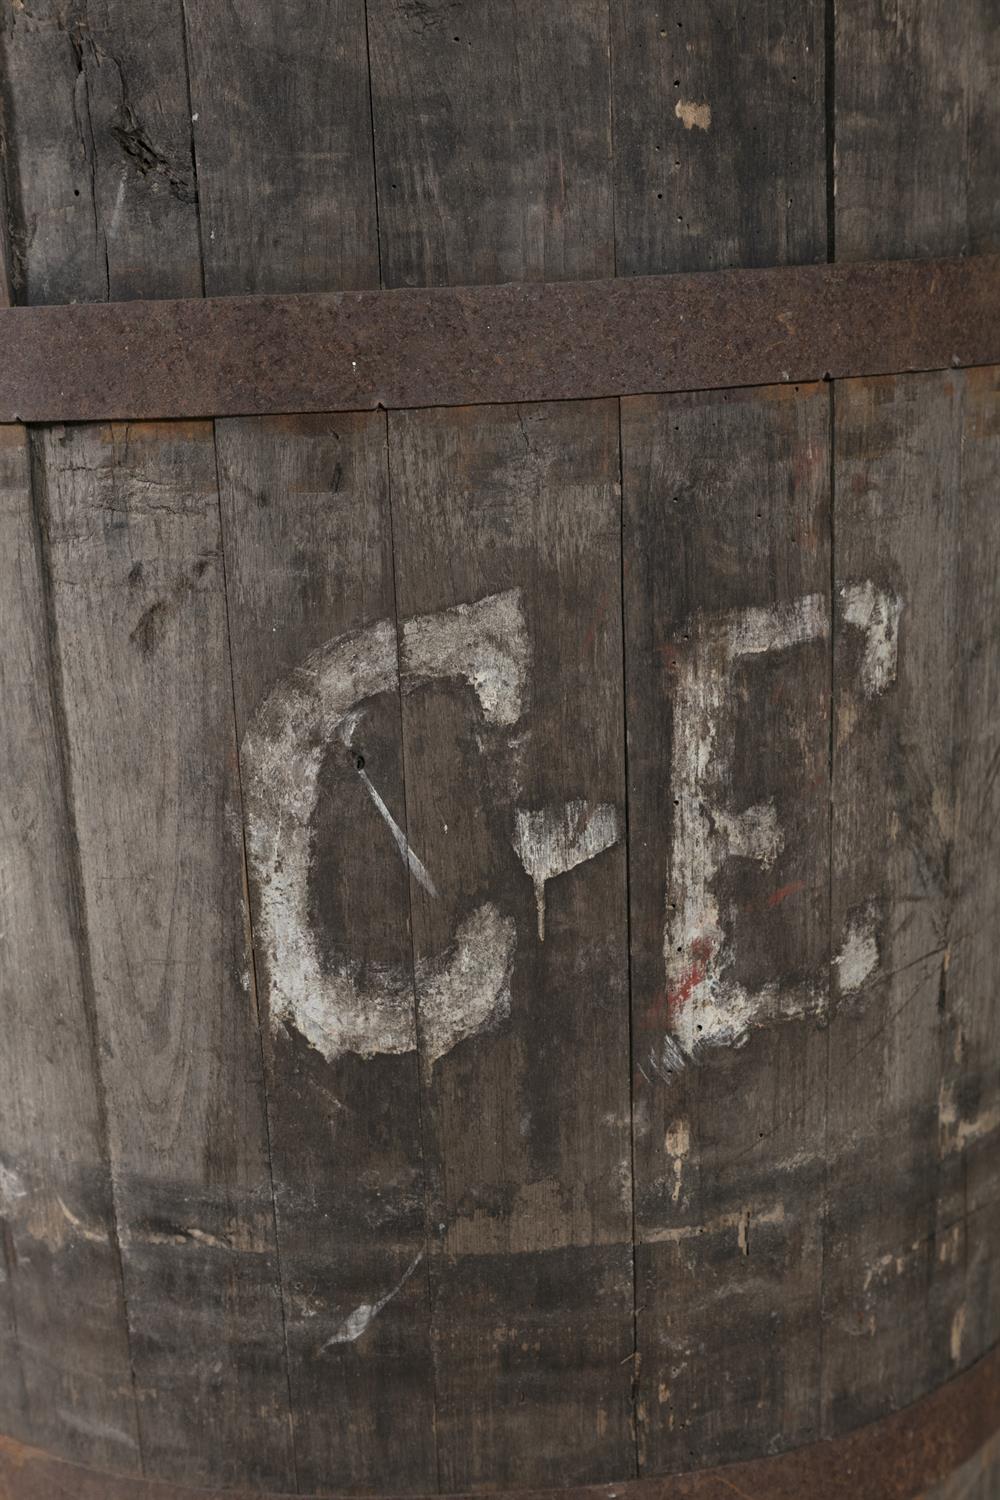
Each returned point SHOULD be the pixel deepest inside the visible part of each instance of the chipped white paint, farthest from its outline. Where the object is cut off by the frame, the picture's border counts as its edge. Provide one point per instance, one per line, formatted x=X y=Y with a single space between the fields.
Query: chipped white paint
x=775 y=627
x=677 y=1143
x=877 y=614
x=485 y=643
x=11 y=1190
x=693 y=115
x=706 y=1004
x=858 y=957
x=339 y=1006
x=678 y=1233
x=467 y=989
x=556 y=839
x=356 y=1322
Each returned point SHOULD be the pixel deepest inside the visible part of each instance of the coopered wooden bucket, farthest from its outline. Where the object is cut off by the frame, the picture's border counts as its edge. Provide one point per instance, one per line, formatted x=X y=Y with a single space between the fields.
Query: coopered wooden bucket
x=499 y=902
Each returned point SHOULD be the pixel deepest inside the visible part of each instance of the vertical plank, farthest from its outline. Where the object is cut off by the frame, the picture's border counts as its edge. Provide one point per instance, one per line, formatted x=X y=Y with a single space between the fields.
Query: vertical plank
x=101 y=181
x=983 y=136
x=307 y=534
x=916 y=117
x=916 y=123
x=894 y=1234
x=969 y=1098
x=288 y=204
x=65 y=1376
x=719 y=135
x=135 y=571
x=727 y=681
x=506 y=527
x=287 y=192
x=493 y=156
x=64 y=1373
x=492 y=141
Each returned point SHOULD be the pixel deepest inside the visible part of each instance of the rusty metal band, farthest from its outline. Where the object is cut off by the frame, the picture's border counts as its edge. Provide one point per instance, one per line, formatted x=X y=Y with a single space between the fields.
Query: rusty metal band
x=897 y=1458
x=456 y=346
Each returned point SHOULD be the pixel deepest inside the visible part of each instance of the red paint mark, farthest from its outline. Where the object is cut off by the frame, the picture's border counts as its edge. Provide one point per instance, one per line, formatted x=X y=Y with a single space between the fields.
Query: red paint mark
x=694 y=975
x=776 y=897
x=668 y=1002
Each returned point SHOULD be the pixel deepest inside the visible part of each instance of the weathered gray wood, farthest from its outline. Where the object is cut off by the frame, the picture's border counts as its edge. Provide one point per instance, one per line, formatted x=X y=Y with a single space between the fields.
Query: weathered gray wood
x=133 y=552
x=64 y=1370
x=101 y=182
x=910 y=1294
x=719 y=135
x=287 y=191
x=893 y=1266
x=982 y=57
x=727 y=675
x=308 y=546
x=288 y=203
x=515 y=805
x=492 y=141
x=969 y=1101
x=492 y=137
x=916 y=122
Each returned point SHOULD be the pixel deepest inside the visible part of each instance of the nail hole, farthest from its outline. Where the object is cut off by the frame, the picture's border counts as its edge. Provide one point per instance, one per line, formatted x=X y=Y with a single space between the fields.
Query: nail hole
x=360 y=762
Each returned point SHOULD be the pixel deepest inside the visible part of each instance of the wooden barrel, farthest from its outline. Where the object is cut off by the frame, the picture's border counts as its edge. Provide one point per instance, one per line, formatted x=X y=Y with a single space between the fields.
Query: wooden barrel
x=499 y=887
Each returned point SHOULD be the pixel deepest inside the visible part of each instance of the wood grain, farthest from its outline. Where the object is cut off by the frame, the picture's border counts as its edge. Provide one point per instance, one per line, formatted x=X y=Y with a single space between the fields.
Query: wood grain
x=969 y=1111
x=305 y=503
x=893 y=1262
x=726 y=531
x=911 y=1284
x=288 y=203
x=101 y=180
x=65 y=1367
x=909 y=1296
x=286 y=188
x=492 y=141
x=133 y=553
x=527 y=1120
x=719 y=138
x=917 y=124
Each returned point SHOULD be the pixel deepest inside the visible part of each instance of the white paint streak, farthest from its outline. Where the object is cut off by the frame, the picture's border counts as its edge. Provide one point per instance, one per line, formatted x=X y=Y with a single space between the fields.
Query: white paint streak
x=416 y=866
x=775 y=1214
x=356 y=1322
x=556 y=839
x=877 y=614
x=691 y=114
x=858 y=957
x=119 y=203
x=91 y=1428
x=957 y=1333
x=85 y=1232
x=706 y=1004
x=342 y=1006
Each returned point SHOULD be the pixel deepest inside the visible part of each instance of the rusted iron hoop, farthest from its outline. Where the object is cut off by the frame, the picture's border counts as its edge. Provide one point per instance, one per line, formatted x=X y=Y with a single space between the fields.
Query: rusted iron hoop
x=354 y=351
x=897 y=1458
